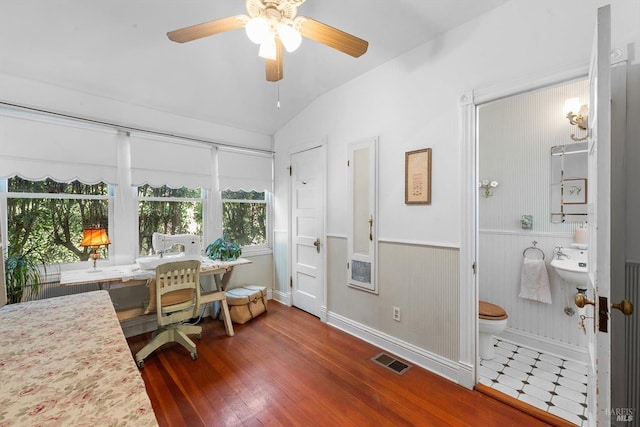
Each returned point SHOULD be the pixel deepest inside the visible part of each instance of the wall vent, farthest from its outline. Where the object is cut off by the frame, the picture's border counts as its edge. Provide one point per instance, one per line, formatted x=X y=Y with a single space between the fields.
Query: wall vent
x=391 y=363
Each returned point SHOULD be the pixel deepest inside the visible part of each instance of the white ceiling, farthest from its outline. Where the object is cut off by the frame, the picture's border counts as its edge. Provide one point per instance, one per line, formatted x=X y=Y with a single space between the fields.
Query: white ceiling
x=118 y=49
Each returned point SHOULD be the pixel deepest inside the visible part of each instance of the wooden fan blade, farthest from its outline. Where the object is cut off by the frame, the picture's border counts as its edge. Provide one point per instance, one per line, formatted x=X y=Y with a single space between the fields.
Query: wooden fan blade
x=205 y=29
x=274 y=66
x=332 y=37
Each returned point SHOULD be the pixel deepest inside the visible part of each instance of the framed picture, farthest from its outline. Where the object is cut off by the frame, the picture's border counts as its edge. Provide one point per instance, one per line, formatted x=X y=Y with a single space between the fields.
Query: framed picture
x=574 y=191
x=417 y=177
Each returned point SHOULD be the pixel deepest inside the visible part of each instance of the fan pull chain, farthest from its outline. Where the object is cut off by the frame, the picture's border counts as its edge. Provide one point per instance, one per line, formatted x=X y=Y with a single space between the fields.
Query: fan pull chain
x=278 y=103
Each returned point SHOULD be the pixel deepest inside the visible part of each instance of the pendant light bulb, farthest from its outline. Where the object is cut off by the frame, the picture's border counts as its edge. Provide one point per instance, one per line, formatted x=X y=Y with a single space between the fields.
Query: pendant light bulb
x=257 y=29
x=289 y=37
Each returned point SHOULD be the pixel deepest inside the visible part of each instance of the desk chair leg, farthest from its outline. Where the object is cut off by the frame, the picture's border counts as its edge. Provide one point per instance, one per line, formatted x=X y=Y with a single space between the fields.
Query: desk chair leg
x=161 y=338
x=192 y=329
x=181 y=338
x=228 y=326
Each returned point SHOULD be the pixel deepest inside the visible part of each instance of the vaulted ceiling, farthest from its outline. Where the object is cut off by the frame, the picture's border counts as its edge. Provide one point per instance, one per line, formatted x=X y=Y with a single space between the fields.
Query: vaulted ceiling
x=118 y=49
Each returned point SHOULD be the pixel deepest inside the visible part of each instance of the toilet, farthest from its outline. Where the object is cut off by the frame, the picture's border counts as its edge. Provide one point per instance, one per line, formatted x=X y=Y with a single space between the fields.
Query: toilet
x=492 y=321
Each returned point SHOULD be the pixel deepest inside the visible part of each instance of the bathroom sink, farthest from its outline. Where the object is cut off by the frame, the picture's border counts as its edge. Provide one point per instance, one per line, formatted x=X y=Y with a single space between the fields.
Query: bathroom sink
x=572 y=267
x=151 y=262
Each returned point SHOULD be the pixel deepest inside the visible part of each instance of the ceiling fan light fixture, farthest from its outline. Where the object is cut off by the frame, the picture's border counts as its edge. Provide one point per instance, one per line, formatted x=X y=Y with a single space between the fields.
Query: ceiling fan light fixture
x=275 y=26
x=268 y=48
x=289 y=37
x=257 y=29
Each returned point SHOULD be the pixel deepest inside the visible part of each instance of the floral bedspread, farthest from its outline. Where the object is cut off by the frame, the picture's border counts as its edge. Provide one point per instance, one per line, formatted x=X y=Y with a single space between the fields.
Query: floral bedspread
x=65 y=362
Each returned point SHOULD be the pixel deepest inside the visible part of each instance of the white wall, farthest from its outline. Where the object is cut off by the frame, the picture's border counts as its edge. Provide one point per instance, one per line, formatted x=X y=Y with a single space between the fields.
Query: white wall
x=412 y=102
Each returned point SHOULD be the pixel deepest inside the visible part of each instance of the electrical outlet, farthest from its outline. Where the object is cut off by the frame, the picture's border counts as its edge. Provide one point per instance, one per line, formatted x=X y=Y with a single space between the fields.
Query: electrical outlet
x=396 y=314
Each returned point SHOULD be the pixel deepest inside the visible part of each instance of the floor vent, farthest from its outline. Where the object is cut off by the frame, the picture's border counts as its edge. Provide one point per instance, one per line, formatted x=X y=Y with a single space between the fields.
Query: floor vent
x=390 y=363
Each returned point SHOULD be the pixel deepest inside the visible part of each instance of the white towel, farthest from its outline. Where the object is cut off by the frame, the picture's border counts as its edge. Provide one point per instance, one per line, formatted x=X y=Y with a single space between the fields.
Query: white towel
x=534 y=281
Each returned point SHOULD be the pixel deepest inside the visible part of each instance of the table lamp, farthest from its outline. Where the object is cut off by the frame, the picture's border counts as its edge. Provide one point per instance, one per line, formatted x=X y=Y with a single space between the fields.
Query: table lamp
x=94 y=238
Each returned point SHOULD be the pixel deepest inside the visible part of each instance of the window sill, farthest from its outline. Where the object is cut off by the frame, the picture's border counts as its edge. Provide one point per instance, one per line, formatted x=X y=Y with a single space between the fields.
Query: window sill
x=249 y=251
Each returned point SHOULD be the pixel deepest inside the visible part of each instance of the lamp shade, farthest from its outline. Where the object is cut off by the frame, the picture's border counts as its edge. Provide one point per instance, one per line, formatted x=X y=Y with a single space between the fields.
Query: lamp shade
x=95 y=237
x=289 y=37
x=571 y=105
x=268 y=49
x=257 y=29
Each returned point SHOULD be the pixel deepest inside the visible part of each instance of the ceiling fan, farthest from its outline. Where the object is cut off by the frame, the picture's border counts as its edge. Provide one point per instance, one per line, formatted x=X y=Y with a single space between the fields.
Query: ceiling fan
x=274 y=25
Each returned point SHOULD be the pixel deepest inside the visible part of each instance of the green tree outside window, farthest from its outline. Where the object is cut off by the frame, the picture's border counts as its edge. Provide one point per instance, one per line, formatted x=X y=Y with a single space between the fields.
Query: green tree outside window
x=167 y=210
x=244 y=217
x=46 y=218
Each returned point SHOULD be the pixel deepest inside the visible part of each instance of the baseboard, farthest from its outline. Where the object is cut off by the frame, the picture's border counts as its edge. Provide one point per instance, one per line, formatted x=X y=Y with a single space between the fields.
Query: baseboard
x=324 y=314
x=281 y=297
x=552 y=347
x=466 y=376
x=411 y=353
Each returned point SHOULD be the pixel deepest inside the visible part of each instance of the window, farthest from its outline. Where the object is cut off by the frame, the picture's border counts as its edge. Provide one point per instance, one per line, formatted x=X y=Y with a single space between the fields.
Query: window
x=168 y=210
x=46 y=218
x=244 y=217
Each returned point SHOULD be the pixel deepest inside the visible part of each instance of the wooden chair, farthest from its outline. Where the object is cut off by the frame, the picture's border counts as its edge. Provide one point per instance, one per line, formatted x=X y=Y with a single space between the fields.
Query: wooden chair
x=177 y=300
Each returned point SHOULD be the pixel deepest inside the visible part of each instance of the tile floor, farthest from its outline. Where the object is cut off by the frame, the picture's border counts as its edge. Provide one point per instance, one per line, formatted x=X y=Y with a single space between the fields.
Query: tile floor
x=548 y=382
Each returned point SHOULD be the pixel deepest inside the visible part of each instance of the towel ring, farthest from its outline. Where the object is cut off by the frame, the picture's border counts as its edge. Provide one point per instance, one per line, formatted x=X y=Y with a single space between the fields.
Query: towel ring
x=534 y=248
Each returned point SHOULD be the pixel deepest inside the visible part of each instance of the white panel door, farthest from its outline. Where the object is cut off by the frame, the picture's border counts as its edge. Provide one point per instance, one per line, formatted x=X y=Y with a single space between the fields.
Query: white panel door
x=599 y=210
x=307 y=230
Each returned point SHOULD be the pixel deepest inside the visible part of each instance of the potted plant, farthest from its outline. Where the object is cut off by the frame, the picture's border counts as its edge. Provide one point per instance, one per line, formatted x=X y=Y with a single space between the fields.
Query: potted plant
x=223 y=250
x=22 y=273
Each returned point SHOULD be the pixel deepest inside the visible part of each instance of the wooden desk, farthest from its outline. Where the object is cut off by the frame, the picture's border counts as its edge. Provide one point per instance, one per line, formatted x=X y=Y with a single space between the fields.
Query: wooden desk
x=131 y=275
x=119 y=276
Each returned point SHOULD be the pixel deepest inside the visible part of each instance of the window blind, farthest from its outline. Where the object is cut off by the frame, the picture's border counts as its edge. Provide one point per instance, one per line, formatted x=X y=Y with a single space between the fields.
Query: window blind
x=36 y=146
x=158 y=161
x=242 y=170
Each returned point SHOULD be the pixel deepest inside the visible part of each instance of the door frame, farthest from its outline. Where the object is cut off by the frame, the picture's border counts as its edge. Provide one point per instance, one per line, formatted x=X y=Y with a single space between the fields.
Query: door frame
x=468 y=102
x=296 y=149
x=617 y=323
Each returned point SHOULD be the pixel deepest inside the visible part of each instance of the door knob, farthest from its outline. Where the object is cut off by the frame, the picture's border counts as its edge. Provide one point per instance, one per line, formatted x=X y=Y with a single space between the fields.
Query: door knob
x=317 y=245
x=582 y=300
x=625 y=306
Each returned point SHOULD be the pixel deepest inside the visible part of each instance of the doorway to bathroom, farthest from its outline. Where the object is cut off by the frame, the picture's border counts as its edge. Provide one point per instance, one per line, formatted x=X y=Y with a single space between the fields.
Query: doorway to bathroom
x=530 y=359
x=540 y=356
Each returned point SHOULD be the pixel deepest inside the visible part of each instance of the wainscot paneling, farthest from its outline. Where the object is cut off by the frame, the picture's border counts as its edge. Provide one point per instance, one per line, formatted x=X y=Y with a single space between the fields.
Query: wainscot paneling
x=281 y=266
x=515 y=136
x=499 y=268
x=421 y=280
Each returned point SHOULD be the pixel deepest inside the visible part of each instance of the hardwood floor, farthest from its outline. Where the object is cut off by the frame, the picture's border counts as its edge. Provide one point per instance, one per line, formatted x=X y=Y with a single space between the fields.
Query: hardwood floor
x=286 y=368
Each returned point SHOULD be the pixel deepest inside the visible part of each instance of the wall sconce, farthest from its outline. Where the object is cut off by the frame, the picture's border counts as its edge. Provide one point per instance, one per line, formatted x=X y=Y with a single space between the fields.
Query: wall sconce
x=487 y=187
x=94 y=238
x=577 y=114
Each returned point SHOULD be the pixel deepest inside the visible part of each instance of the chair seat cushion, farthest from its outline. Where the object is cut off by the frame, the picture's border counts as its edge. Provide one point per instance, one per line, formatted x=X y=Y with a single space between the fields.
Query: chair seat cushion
x=168 y=299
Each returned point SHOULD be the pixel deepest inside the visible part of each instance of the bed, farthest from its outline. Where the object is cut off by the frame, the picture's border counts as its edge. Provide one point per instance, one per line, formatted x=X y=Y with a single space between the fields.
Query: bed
x=65 y=361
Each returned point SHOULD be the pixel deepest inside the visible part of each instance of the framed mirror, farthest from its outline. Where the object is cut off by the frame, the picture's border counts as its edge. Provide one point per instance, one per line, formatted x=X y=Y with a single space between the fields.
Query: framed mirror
x=569 y=182
x=362 y=208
